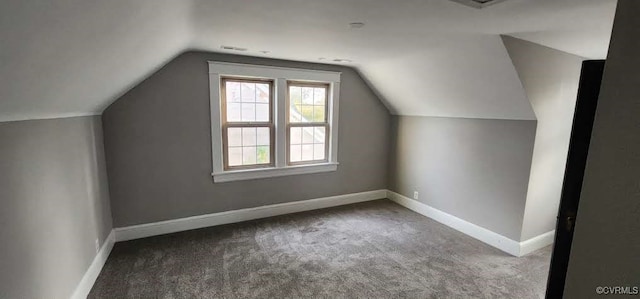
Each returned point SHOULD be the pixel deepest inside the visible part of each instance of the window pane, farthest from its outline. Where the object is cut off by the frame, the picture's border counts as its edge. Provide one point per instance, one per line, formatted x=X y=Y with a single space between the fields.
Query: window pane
x=318 y=151
x=318 y=134
x=233 y=112
x=262 y=93
x=248 y=155
x=262 y=112
x=251 y=146
x=248 y=136
x=307 y=152
x=234 y=136
x=263 y=136
x=295 y=102
x=263 y=155
x=294 y=113
x=295 y=135
x=233 y=91
x=307 y=113
x=248 y=92
x=307 y=95
x=307 y=135
x=307 y=143
x=318 y=114
x=307 y=104
x=295 y=95
x=295 y=153
x=235 y=156
x=319 y=96
x=248 y=112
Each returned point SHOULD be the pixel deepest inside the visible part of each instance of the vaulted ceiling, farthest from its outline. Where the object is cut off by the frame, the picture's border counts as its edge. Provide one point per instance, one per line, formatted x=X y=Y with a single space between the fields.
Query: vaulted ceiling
x=423 y=57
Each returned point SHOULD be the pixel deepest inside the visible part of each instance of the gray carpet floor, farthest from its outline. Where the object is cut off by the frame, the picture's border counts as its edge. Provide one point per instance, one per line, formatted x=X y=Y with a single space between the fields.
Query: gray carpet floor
x=375 y=249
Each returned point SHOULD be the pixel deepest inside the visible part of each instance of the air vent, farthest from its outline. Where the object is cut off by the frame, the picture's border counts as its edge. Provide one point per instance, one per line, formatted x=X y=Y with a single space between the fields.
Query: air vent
x=231 y=48
x=478 y=3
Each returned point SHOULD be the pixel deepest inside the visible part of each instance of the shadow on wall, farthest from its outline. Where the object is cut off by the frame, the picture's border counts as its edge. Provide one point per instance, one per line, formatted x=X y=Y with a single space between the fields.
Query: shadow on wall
x=55 y=205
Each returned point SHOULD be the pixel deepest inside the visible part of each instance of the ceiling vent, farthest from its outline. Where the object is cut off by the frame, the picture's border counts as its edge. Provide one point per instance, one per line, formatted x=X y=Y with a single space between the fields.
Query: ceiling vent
x=232 y=48
x=478 y=3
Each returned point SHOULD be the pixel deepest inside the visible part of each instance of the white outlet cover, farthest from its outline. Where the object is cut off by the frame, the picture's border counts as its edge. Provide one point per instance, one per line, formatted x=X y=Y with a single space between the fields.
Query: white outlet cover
x=415 y=194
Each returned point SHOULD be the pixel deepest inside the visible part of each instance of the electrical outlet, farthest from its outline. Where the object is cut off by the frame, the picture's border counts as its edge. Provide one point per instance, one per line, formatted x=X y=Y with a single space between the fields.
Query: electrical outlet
x=415 y=194
x=97 y=245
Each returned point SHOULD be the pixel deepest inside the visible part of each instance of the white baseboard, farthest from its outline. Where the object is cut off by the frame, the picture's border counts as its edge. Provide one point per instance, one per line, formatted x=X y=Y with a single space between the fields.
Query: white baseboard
x=537 y=242
x=182 y=224
x=189 y=223
x=89 y=278
x=496 y=240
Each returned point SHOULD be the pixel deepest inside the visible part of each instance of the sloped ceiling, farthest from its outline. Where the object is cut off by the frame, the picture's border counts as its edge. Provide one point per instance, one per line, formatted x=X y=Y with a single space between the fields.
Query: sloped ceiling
x=423 y=57
x=74 y=57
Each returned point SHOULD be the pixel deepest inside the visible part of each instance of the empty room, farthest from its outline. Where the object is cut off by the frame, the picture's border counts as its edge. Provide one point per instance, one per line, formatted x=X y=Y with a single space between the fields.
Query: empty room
x=319 y=149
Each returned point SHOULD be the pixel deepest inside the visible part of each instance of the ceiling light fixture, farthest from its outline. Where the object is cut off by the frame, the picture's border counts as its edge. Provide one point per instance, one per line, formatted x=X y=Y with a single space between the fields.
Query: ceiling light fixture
x=265 y=52
x=342 y=60
x=356 y=25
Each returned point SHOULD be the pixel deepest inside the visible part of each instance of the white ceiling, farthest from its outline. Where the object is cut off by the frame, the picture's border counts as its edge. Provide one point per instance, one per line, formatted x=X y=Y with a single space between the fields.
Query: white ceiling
x=423 y=57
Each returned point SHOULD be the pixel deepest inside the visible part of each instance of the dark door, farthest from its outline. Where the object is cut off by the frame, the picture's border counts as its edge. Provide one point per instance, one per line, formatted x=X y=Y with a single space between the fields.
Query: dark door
x=588 y=91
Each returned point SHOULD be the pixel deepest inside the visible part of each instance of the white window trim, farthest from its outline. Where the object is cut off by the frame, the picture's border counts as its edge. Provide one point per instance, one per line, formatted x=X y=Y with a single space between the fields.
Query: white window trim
x=280 y=76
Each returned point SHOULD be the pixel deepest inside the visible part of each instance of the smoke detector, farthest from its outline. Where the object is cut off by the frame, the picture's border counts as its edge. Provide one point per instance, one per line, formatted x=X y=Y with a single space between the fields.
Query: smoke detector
x=478 y=3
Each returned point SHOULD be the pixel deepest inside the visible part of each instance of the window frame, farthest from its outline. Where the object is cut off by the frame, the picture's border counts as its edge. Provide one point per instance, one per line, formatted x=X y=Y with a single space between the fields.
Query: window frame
x=225 y=124
x=325 y=124
x=279 y=112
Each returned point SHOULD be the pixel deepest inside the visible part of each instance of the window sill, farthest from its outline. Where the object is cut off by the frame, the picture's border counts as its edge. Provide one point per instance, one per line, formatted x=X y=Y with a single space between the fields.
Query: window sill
x=251 y=174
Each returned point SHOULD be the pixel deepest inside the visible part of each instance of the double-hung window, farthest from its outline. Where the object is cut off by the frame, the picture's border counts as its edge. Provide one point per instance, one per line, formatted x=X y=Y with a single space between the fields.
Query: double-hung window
x=307 y=124
x=271 y=121
x=247 y=123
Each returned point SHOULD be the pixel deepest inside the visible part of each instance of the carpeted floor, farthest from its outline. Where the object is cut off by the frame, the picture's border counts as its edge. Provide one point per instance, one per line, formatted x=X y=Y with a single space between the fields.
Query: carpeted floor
x=375 y=249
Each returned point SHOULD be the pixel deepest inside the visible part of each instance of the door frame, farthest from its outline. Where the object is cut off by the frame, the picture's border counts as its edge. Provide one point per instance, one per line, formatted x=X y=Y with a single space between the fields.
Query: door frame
x=584 y=115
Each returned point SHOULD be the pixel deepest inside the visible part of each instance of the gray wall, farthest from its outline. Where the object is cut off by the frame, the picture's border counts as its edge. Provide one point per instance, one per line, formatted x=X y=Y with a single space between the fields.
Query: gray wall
x=606 y=242
x=158 y=146
x=474 y=169
x=550 y=79
x=55 y=204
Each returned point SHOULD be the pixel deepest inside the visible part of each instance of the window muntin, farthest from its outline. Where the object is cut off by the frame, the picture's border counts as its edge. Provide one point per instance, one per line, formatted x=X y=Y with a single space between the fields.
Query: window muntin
x=247 y=123
x=307 y=123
